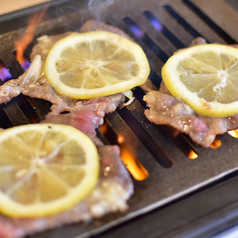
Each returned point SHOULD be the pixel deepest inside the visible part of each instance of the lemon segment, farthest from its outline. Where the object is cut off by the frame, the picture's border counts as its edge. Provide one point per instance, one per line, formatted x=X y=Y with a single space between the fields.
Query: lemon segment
x=94 y=64
x=45 y=169
x=205 y=77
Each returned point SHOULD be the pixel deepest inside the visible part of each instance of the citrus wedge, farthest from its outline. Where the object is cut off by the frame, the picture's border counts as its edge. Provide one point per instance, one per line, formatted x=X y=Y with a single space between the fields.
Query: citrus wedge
x=45 y=169
x=205 y=77
x=93 y=64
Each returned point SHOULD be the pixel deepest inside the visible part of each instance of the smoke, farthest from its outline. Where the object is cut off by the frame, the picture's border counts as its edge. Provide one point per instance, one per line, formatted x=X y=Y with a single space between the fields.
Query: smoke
x=93 y=4
x=100 y=9
x=67 y=16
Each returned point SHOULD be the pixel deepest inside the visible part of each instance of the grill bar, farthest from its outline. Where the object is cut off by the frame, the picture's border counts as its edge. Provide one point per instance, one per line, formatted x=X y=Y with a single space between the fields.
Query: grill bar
x=15 y=114
x=173 y=176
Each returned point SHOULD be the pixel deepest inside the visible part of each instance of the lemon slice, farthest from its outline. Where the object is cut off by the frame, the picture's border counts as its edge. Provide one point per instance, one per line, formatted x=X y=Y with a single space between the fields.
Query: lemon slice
x=45 y=169
x=93 y=64
x=205 y=77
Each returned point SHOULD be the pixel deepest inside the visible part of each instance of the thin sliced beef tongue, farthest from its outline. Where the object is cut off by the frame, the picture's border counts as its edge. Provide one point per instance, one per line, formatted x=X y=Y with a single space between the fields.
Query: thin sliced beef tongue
x=113 y=189
x=83 y=121
x=168 y=110
x=114 y=186
x=44 y=45
x=198 y=41
x=33 y=82
x=87 y=115
x=164 y=109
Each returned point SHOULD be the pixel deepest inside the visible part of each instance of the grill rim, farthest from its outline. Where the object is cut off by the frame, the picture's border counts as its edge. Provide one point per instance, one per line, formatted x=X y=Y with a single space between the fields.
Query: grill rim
x=207 y=223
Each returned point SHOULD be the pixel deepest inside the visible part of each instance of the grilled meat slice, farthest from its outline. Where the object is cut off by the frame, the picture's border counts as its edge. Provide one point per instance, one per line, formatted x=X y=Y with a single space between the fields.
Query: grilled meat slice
x=113 y=189
x=114 y=186
x=168 y=110
x=164 y=109
x=33 y=82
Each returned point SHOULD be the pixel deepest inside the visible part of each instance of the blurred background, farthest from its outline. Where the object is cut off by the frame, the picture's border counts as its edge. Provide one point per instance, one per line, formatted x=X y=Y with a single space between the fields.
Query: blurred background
x=13 y=5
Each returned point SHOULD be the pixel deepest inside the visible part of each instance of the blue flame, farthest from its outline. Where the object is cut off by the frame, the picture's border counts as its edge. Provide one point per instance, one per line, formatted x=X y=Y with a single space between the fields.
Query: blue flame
x=25 y=64
x=156 y=24
x=4 y=73
x=137 y=31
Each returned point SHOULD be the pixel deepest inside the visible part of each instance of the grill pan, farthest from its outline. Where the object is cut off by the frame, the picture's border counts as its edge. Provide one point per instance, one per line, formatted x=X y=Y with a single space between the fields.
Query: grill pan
x=181 y=197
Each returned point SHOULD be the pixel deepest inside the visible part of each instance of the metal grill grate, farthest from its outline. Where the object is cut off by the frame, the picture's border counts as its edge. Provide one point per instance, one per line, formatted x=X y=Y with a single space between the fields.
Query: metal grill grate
x=160 y=27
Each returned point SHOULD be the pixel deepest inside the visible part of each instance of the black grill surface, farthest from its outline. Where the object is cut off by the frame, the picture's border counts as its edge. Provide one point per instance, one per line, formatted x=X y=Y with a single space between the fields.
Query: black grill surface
x=181 y=197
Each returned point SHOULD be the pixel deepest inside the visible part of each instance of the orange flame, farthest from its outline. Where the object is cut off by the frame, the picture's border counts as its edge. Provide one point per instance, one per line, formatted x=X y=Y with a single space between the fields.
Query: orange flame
x=120 y=139
x=23 y=42
x=233 y=133
x=134 y=166
x=136 y=169
x=103 y=129
x=175 y=133
x=215 y=144
x=192 y=155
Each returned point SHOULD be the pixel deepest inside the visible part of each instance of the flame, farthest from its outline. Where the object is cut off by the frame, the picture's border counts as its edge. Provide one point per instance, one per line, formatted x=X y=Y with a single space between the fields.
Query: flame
x=233 y=133
x=186 y=149
x=192 y=155
x=103 y=129
x=23 y=42
x=120 y=139
x=4 y=73
x=25 y=63
x=134 y=166
x=175 y=133
x=136 y=169
x=215 y=144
